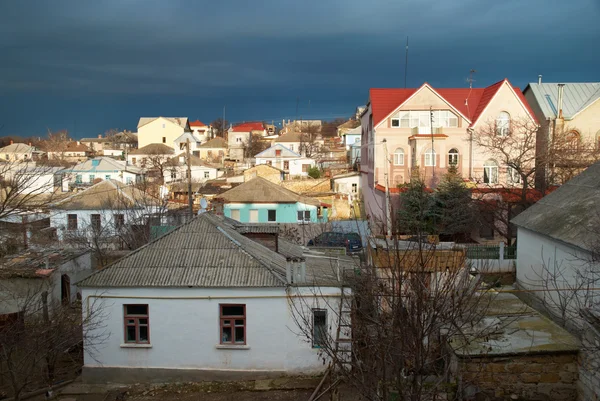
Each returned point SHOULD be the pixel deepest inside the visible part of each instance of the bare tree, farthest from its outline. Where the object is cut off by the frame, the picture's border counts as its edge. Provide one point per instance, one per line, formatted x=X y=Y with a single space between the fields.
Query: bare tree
x=42 y=342
x=308 y=139
x=255 y=145
x=57 y=144
x=398 y=307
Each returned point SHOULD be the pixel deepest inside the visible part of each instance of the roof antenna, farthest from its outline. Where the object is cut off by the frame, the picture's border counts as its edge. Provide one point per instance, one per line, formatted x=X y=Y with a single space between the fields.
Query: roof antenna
x=406 y=63
x=470 y=80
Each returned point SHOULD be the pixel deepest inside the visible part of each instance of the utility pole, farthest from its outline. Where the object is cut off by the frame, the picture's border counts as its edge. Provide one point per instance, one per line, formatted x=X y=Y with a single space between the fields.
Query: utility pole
x=189 y=178
x=388 y=203
x=433 y=154
x=223 y=125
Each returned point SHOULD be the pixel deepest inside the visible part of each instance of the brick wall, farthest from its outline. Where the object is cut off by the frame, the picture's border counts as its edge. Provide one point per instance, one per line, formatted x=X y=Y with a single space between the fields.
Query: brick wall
x=540 y=377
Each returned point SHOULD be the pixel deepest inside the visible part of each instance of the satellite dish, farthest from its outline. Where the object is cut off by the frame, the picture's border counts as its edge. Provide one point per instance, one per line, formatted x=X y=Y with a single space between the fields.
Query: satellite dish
x=203 y=206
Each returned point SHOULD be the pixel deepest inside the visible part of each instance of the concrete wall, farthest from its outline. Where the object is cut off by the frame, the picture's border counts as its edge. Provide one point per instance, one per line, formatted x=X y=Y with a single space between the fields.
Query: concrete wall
x=184 y=333
x=198 y=173
x=154 y=132
x=87 y=177
x=286 y=212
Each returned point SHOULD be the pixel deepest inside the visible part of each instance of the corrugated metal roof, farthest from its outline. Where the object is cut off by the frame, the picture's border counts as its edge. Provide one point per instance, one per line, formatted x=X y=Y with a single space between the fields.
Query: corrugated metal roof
x=576 y=97
x=205 y=252
x=568 y=214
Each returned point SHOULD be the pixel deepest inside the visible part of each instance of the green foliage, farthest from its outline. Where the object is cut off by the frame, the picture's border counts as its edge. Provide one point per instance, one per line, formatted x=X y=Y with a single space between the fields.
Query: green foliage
x=314 y=172
x=417 y=214
x=448 y=210
x=454 y=205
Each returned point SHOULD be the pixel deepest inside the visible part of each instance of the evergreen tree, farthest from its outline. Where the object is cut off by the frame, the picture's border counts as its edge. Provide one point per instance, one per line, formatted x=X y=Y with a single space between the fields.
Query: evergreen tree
x=417 y=214
x=453 y=204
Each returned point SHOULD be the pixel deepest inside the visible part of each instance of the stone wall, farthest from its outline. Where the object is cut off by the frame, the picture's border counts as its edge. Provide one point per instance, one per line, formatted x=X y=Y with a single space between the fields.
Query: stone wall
x=308 y=186
x=589 y=366
x=533 y=377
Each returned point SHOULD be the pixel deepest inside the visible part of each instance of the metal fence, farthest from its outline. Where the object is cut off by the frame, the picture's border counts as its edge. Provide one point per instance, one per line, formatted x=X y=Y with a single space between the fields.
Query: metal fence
x=491 y=252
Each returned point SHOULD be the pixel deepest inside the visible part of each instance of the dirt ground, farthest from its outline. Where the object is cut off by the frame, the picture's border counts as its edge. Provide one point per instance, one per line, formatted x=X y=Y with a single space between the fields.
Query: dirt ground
x=226 y=391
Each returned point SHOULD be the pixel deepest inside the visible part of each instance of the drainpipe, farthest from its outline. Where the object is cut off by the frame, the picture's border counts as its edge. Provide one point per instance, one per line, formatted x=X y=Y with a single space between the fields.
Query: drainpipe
x=561 y=90
x=470 y=131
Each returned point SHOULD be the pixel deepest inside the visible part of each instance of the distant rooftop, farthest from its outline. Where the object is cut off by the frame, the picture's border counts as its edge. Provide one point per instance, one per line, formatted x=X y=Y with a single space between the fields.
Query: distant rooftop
x=36 y=263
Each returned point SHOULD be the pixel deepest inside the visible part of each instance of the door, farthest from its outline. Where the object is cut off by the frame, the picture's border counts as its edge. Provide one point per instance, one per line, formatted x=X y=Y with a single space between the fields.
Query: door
x=65 y=289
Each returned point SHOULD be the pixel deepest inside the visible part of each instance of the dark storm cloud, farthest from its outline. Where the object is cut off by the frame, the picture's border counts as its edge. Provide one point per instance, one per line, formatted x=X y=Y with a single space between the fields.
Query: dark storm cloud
x=105 y=63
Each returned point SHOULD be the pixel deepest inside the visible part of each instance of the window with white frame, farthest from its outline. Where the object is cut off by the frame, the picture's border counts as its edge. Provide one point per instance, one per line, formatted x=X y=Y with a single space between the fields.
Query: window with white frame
x=513 y=175
x=354 y=187
x=429 y=158
x=399 y=157
x=207 y=174
x=490 y=172
x=503 y=124
x=235 y=214
x=422 y=118
x=453 y=157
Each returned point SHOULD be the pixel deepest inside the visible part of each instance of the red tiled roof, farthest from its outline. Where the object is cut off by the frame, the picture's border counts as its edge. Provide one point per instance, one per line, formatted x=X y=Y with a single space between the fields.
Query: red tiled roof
x=247 y=127
x=469 y=102
x=197 y=123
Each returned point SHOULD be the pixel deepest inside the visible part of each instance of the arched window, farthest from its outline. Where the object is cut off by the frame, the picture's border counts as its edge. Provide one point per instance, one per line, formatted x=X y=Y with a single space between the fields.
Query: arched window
x=503 y=124
x=572 y=140
x=399 y=157
x=490 y=172
x=429 y=158
x=453 y=157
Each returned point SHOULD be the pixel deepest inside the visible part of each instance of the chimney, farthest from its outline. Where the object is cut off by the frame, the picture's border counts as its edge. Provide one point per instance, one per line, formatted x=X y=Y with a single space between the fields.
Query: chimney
x=11 y=141
x=99 y=136
x=561 y=91
x=540 y=79
x=295 y=270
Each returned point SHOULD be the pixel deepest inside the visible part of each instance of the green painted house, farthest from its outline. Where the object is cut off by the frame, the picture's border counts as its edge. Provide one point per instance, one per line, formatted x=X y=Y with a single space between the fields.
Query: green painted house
x=261 y=201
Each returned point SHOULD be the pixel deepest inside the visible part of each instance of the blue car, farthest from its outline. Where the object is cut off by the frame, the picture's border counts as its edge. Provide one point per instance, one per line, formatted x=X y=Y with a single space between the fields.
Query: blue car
x=350 y=241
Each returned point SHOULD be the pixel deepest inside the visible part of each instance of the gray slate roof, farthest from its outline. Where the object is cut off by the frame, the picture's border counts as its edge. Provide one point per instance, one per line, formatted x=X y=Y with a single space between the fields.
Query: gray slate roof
x=577 y=97
x=205 y=252
x=570 y=213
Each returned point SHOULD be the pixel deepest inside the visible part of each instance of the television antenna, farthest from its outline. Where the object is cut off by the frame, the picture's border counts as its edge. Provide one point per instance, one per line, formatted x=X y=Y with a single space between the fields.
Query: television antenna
x=470 y=80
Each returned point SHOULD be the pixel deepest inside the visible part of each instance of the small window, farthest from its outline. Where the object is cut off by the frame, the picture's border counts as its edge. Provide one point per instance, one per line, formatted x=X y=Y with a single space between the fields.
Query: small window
x=207 y=174
x=354 y=188
x=305 y=168
x=96 y=222
x=233 y=324
x=453 y=157
x=272 y=215
x=277 y=152
x=137 y=324
x=286 y=165
x=399 y=157
x=235 y=214
x=304 y=215
x=253 y=216
x=164 y=137
x=119 y=221
x=133 y=160
x=430 y=158
x=78 y=179
x=503 y=124
x=71 y=222
x=513 y=176
x=95 y=163
x=129 y=180
x=238 y=139
x=395 y=122
x=291 y=146
x=490 y=172
x=319 y=328
x=92 y=178
x=107 y=177
x=173 y=174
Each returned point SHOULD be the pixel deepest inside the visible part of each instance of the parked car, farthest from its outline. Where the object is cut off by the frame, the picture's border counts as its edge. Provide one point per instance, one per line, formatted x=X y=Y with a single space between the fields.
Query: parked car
x=350 y=241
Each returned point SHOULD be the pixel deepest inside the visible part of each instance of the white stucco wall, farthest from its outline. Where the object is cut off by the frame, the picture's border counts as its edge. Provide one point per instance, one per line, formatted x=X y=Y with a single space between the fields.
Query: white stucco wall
x=59 y=220
x=295 y=164
x=184 y=329
x=198 y=173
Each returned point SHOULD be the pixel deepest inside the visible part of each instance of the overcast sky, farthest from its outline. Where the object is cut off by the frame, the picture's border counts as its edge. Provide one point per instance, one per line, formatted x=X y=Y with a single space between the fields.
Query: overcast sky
x=88 y=66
